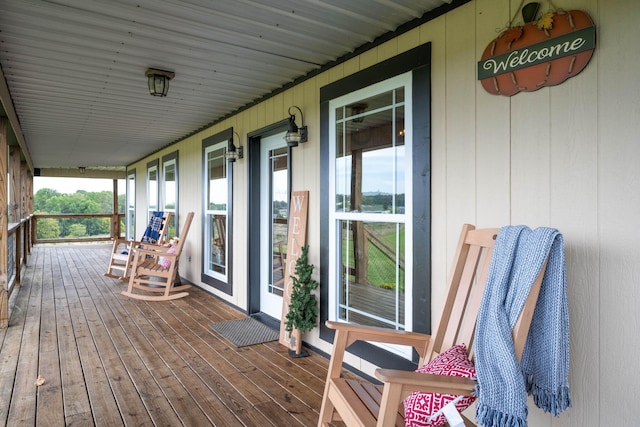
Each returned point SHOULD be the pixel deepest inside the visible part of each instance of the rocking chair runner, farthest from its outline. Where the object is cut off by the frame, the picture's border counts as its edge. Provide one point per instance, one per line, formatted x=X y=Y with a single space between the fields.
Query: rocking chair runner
x=357 y=403
x=122 y=252
x=155 y=269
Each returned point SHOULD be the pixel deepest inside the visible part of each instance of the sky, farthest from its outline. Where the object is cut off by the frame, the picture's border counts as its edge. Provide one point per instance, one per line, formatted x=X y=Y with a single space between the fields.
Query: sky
x=71 y=185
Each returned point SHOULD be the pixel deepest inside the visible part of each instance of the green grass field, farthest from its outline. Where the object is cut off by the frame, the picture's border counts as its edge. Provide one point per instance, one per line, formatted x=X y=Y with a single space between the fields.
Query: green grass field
x=381 y=267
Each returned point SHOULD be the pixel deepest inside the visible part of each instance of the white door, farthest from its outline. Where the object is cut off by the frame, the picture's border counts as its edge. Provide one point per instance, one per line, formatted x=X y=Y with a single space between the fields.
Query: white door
x=274 y=212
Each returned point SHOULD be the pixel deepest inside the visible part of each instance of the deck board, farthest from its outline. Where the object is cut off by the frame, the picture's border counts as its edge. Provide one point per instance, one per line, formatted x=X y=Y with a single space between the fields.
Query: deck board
x=108 y=360
x=23 y=409
x=76 y=405
x=49 y=396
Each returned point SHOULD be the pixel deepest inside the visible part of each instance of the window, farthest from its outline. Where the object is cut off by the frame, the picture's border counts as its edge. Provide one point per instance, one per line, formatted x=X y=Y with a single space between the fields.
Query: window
x=217 y=210
x=131 y=204
x=368 y=222
x=152 y=188
x=375 y=206
x=170 y=191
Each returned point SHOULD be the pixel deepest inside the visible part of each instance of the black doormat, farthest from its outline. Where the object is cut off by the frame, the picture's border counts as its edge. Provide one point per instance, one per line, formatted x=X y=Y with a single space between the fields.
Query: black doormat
x=244 y=332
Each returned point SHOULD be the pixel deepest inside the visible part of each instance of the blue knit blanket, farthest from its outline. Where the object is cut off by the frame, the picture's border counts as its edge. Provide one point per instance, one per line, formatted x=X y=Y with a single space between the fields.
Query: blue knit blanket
x=503 y=383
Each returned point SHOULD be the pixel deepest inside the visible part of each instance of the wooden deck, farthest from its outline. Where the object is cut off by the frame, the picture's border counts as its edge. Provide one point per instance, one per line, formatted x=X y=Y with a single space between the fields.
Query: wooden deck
x=109 y=360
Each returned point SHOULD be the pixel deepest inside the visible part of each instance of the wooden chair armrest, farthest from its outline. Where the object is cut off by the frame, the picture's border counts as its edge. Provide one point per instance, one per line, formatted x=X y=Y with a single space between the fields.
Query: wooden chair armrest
x=139 y=244
x=153 y=251
x=416 y=381
x=120 y=243
x=378 y=334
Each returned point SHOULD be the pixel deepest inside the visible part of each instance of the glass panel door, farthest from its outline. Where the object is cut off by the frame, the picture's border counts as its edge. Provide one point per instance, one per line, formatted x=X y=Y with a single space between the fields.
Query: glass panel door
x=274 y=202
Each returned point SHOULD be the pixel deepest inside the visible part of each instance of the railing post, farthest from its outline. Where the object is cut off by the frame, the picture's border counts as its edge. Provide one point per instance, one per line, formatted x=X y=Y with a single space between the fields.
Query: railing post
x=29 y=236
x=26 y=238
x=34 y=231
x=115 y=226
x=4 y=229
x=17 y=257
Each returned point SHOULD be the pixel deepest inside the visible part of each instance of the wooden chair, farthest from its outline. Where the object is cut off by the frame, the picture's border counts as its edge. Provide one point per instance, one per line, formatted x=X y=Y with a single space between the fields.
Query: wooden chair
x=359 y=403
x=122 y=252
x=155 y=270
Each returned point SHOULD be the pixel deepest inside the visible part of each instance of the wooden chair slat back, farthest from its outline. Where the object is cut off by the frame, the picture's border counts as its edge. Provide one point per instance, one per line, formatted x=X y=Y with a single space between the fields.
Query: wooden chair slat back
x=466 y=286
x=166 y=217
x=184 y=232
x=467 y=333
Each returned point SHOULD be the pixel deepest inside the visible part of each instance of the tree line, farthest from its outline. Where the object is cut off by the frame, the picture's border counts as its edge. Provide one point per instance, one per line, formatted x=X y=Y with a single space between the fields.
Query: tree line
x=49 y=201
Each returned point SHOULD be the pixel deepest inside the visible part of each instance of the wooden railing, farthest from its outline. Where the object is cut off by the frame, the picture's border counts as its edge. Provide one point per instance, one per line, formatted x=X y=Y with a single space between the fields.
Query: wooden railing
x=114 y=228
x=24 y=234
x=19 y=248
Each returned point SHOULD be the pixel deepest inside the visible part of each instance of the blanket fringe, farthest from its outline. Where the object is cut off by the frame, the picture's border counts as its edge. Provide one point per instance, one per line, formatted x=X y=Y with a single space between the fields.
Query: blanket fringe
x=552 y=402
x=489 y=417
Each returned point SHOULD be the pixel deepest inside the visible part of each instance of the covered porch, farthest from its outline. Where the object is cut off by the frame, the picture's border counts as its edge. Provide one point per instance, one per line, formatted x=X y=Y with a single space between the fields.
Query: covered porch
x=110 y=360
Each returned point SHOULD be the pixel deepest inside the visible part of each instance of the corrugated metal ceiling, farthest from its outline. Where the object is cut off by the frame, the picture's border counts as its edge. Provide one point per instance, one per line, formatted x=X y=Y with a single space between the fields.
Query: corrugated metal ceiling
x=75 y=68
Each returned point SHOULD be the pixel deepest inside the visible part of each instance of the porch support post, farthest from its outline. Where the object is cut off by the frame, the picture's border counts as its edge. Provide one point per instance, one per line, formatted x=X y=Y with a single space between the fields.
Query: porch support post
x=15 y=210
x=115 y=219
x=27 y=207
x=4 y=230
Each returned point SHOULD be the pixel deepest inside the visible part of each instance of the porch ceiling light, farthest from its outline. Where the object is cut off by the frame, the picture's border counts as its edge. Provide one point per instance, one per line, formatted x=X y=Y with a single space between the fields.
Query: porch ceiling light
x=295 y=134
x=234 y=153
x=158 y=81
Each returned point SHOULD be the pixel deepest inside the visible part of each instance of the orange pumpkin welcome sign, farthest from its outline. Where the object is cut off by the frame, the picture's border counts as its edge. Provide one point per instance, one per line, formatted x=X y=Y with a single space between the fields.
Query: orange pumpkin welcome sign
x=546 y=53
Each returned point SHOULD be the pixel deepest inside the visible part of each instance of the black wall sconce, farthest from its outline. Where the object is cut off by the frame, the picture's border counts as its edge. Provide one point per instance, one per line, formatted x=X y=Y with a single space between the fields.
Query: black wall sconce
x=234 y=153
x=295 y=134
x=158 y=81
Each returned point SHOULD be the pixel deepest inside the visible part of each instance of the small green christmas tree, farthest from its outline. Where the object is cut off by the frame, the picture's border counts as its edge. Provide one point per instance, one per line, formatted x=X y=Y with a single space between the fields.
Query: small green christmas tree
x=303 y=307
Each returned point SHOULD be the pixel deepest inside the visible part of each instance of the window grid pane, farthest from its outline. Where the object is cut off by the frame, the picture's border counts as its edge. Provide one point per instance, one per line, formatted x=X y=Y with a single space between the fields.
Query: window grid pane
x=170 y=194
x=131 y=206
x=370 y=183
x=278 y=160
x=372 y=285
x=152 y=189
x=216 y=211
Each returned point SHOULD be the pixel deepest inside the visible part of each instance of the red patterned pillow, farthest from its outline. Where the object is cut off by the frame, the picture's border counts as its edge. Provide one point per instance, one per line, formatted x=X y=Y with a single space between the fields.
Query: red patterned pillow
x=419 y=407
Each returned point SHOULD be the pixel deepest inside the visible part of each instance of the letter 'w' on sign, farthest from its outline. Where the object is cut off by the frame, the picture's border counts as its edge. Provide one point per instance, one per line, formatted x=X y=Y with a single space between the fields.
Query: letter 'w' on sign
x=298 y=200
x=297 y=238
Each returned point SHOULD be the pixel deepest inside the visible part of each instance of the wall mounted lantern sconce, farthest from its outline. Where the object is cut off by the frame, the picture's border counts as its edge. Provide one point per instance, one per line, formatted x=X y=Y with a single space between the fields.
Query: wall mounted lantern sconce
x=295 y=134
x=234 y=153
x=158 y=81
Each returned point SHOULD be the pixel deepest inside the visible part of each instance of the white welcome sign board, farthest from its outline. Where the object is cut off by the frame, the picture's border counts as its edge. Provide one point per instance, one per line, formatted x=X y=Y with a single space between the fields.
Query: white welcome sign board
x=297 y=238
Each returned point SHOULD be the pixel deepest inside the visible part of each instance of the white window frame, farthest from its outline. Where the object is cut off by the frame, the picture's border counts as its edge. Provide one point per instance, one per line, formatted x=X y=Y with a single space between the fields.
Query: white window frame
x=404 y=80
x=209 y=212
x=153 y=166
x=170 y=159
x=131 y=205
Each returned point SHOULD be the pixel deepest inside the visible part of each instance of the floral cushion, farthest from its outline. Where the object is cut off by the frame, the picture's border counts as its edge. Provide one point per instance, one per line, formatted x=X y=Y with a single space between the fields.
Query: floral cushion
x=419 y=407
x=165 y=262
